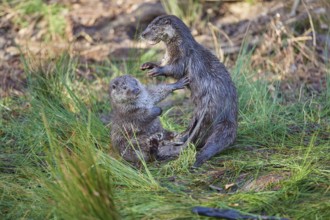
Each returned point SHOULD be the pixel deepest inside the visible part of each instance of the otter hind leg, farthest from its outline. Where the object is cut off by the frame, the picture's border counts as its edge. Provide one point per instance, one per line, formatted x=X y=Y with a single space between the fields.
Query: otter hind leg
x=218 y=141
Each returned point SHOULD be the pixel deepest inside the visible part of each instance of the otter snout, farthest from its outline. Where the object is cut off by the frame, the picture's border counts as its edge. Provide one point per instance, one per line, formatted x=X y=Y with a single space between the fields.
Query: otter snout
x=136 y=91
x=144 y=34
x=150 y=36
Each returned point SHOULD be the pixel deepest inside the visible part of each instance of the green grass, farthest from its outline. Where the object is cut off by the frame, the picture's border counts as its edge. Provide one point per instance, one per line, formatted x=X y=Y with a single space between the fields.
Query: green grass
x=57 y=161
x=189 y=11
x=51 y=15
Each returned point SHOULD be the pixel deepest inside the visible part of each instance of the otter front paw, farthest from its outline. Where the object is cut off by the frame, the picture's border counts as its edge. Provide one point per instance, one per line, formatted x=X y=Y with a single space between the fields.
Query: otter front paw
x=148 y=66
x=180 y=84
x=156 y=71
x=156 y=111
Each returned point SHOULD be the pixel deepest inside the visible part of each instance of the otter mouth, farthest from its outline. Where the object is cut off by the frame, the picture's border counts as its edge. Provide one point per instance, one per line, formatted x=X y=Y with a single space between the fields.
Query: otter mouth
x=152 y=42
x=134 y=97
x=150 y=39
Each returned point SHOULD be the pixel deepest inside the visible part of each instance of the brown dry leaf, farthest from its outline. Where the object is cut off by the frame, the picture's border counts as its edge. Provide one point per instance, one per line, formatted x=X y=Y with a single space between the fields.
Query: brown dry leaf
x=269 y=180
x=228 y=186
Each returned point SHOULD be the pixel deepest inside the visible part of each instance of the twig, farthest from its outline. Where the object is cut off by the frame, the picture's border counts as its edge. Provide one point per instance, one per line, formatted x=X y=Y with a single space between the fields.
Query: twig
x=312 y=24
x=302 y=38
x=5 y=107
x=218 y=49
x=231 y=214
x=294 y=8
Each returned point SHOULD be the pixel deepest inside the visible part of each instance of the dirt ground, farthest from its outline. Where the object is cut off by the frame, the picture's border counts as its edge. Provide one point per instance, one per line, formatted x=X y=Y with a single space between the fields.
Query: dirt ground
x=291 y=44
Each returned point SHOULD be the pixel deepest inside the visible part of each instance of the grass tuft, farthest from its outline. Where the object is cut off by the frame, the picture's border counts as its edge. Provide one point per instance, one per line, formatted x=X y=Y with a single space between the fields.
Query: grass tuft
x=50 y=13
x=189 y=11
x=59 y=162
x=181 y=165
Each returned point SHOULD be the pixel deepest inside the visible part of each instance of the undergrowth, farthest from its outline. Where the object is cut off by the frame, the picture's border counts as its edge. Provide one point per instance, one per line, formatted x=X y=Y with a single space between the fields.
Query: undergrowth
x=51 y=15
x=58 y=162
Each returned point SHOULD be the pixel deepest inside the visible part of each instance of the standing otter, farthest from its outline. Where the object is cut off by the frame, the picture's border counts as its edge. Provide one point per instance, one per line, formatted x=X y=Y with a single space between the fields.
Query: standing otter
x=136 y=128
x=213 y=93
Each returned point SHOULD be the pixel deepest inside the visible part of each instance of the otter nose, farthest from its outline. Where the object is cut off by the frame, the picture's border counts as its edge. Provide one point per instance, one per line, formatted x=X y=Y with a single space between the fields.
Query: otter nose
x=136 y=91
x=143 y=34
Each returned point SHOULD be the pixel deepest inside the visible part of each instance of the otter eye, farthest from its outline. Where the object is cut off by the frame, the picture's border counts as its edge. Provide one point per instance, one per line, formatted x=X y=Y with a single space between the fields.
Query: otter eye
x=167 y=21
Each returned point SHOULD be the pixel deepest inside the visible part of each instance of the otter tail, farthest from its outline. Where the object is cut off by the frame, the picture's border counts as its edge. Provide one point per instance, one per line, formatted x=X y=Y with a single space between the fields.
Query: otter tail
x=223 y=135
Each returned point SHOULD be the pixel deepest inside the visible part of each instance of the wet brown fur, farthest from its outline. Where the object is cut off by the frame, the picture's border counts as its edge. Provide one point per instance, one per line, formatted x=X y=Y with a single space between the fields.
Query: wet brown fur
x=214 y=124
x=136 y=131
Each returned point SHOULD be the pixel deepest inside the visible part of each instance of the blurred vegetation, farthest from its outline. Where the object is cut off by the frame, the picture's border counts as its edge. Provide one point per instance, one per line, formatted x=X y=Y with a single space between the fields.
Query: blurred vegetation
x=68 y=158
x=189 y=11
x=25 y=12
x=57 y=162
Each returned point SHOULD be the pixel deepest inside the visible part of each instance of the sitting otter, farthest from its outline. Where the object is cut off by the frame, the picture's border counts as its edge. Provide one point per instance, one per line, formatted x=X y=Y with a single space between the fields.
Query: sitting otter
x=136 y=131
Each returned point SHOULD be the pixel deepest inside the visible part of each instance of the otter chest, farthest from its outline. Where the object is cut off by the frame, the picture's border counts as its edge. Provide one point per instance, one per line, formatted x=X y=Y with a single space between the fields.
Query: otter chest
x=166 y=59
x=144 y=101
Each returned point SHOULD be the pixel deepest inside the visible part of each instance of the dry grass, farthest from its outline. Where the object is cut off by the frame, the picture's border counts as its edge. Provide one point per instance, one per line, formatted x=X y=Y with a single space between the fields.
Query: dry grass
x=56 y=151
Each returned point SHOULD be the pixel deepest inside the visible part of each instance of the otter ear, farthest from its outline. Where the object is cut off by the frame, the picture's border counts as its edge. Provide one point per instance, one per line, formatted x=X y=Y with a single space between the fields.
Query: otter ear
x=167 y=21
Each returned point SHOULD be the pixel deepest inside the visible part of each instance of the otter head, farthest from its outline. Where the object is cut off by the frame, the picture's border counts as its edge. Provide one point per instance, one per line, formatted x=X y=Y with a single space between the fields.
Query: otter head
x=161 y=28
x=124 y=89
